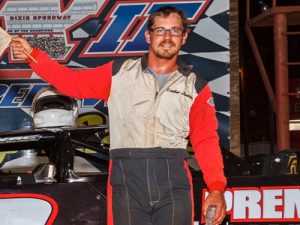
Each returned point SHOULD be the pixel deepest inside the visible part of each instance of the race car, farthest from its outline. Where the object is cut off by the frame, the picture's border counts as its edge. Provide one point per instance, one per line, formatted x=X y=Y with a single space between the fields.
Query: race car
x=46 y=188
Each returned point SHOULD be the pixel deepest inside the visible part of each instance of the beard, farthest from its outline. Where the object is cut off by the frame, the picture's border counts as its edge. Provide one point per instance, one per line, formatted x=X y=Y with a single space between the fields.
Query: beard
x=166 y=53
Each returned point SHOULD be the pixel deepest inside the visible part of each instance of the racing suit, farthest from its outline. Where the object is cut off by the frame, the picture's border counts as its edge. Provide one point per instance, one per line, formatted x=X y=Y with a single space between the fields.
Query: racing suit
x=149 y=182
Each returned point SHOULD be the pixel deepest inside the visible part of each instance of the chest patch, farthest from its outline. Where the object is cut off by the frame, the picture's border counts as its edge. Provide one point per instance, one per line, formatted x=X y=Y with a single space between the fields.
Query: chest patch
x=180 y=93
x=211 y=102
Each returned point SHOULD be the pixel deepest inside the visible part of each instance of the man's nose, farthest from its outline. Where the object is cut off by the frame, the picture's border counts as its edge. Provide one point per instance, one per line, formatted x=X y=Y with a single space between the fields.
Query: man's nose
x=168 y=34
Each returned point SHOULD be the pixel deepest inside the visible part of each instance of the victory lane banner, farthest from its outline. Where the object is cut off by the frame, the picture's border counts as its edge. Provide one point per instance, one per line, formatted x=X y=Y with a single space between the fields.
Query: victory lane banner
x=253 y=200
x=88 y=33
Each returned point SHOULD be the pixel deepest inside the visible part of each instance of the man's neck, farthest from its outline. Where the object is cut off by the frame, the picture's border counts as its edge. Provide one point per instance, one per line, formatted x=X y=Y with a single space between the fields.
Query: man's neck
x=160 y=65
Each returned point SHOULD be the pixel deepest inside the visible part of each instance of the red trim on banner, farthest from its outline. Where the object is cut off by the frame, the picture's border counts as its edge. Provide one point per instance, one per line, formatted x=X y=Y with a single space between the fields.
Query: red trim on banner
x=63 y=6
x=48 y=199
x=11 y=74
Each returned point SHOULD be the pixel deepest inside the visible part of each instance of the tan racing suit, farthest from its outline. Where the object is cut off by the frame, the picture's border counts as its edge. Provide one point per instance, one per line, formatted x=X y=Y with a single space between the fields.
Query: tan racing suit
x=145 y=121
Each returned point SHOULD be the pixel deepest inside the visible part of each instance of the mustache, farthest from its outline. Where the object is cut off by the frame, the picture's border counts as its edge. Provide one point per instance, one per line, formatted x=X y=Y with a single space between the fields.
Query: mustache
x=167 y=42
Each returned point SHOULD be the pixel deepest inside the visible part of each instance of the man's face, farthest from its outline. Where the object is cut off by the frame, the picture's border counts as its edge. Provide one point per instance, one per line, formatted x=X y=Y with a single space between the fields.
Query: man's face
x=165 y=46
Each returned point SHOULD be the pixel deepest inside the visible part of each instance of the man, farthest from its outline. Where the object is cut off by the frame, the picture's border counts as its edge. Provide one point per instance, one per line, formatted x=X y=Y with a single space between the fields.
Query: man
x=155 y=103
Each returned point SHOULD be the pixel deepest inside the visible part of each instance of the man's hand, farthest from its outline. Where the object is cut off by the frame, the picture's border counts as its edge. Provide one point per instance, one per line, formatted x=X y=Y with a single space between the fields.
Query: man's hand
x=216 y=198
x=19 y=46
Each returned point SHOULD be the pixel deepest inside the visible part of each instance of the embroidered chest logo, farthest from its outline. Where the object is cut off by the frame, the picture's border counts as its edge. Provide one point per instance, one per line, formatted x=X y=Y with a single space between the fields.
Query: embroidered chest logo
x=180 y=93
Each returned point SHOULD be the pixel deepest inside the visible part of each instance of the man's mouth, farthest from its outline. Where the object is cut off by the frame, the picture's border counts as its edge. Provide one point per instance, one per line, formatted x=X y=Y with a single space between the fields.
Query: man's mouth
x=167 y=44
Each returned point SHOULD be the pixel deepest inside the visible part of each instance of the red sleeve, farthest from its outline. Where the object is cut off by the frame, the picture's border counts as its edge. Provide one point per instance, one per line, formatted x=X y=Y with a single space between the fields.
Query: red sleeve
x=205 y=140
x=81 y=83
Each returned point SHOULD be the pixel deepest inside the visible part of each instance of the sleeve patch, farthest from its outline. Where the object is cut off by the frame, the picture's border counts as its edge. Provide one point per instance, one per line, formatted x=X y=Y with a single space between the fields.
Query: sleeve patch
x=211 y=102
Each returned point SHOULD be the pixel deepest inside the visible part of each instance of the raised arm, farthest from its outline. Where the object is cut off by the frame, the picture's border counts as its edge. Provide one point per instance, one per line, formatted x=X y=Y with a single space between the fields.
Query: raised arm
x=81 y=83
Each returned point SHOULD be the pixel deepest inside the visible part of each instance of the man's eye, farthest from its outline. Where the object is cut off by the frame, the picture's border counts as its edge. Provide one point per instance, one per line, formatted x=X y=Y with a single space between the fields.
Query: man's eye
x=160 y=31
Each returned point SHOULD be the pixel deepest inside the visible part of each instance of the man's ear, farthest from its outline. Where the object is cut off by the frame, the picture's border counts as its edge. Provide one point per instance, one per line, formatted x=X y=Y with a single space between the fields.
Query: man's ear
x=185 y=35
x=147 y=36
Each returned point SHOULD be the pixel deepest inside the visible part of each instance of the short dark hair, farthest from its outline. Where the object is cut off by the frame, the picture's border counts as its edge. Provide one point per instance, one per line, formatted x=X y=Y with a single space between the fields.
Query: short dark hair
x=166 y=11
